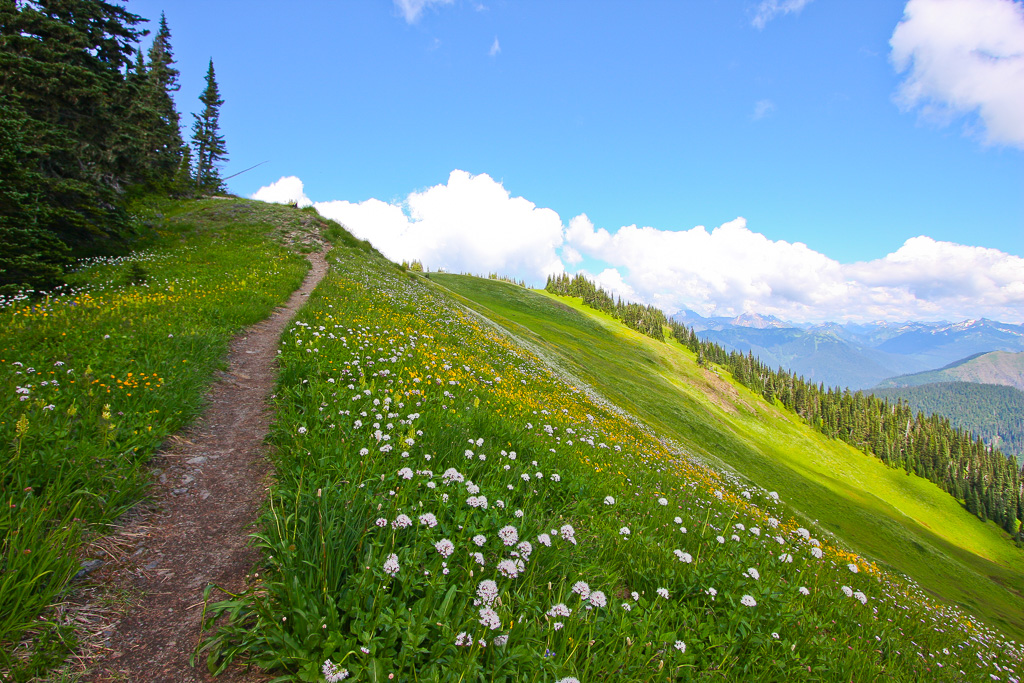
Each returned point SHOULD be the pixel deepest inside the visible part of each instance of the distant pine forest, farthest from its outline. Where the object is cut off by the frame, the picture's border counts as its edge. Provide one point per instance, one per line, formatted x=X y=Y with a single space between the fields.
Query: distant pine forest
x=993 y=412
x=987 y=481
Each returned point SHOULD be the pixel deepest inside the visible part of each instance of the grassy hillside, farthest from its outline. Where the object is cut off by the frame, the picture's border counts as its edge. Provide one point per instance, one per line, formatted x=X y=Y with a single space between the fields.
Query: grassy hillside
x=450 y=507
x=455 y=503
x=996 y=367
x=96 y=376
x=903 y=522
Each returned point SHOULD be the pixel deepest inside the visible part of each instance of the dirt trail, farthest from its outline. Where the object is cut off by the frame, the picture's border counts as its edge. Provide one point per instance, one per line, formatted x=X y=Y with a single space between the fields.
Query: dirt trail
x=213 y=482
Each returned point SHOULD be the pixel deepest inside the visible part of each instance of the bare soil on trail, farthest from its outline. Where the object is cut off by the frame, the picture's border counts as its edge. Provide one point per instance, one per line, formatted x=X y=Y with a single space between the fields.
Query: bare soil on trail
x=205 y=500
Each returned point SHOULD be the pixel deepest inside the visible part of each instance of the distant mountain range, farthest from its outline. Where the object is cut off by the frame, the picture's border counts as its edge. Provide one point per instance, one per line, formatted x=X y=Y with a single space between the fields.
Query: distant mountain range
x=997 y=367
x=856 y=355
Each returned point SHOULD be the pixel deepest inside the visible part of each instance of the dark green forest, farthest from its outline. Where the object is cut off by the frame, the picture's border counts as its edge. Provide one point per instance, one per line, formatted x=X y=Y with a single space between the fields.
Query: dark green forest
x=87 y=124
x=993 y=412
x=984 y=479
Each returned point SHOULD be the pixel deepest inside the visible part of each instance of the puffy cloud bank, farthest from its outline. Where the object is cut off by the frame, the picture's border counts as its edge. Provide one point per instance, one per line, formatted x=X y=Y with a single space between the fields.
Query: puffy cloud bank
x=732 y=270
x=963 y=56
x=472 y=224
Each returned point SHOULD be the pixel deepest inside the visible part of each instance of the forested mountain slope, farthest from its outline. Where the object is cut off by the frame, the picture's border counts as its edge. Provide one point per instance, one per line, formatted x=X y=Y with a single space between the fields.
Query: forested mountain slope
x=992 y=412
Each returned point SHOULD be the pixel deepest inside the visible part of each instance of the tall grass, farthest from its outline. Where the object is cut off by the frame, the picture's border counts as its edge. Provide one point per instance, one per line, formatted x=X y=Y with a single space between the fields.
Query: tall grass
x=448 y=509
x=93 y=378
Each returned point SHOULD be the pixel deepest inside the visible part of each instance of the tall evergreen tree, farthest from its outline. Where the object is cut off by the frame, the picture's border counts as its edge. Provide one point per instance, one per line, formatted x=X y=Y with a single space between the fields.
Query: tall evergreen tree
x=183 y=184
x=165 y=143
x=62 y=73
x=207 y=142
x=30 y=255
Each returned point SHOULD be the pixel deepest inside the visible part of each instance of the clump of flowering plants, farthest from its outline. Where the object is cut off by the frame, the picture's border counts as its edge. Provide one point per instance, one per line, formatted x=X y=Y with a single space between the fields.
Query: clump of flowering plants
x=448 y=507
x=96 y=375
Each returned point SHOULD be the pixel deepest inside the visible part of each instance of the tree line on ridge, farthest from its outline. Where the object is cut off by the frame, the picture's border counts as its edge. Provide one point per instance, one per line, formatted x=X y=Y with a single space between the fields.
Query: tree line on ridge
x=986 y=481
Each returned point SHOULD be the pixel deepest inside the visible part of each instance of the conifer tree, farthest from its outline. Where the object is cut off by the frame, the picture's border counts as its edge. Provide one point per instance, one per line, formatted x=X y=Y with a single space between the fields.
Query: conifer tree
x=30 y=255
x=161 y=80
x=207 y=142
x=63 y=67
x=183 y=184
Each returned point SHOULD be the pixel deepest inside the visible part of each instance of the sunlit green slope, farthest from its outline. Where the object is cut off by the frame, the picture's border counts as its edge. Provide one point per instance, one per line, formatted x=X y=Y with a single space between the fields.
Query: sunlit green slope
x=901 y=521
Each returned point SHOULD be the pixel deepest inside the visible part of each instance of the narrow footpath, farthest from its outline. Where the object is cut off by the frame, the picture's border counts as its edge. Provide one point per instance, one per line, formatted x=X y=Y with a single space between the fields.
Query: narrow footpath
x=213 y=481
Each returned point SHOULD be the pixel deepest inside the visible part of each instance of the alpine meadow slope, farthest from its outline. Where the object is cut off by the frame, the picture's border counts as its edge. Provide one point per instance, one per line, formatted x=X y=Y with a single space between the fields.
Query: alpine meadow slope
x=478 y=482
x=518 y=490
x=904 y=522
x=99 y=374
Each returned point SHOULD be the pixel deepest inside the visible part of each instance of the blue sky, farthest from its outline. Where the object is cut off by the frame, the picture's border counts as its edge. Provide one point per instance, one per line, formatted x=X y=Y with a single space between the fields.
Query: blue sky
x=810 y=122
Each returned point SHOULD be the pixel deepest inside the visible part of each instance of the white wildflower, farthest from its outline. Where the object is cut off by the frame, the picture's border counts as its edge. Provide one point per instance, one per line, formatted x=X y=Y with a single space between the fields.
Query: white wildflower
x=685 y=558
x=582 y=588
x=508 y=535
x=490 y=618
x=445 y=547
x=559 y=610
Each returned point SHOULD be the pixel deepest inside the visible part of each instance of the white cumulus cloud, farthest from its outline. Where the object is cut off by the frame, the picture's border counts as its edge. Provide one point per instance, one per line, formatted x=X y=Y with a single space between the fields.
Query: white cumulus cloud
x=727 y=271
x=286 y=190
x=473 y=224
x=732 y=270
x=411 y=10
x=769 y=9
x=495 y=47
x=470 y=224
x=962 y=57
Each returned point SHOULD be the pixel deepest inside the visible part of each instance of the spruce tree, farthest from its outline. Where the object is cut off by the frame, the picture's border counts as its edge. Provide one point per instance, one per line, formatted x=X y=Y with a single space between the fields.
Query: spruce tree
x=63 y=66
x=30 y=255
x=183 y=184
x=161 y=81
x=207 y=141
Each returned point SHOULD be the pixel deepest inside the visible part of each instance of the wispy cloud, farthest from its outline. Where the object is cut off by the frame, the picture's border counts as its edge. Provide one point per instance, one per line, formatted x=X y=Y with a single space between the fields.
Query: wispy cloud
x=411 y=10
x=495 y=47
x=472 y=223
x=962 y=57
x=769 y=9
x=762 y=109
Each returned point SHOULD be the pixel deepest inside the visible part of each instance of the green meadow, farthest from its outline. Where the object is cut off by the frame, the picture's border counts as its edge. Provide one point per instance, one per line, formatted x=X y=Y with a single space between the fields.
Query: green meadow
x=456 y=503
x=520 y=489
x=903 y=522
x=94 y=378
